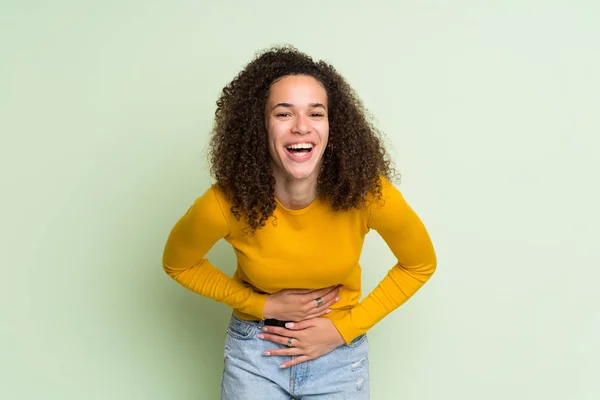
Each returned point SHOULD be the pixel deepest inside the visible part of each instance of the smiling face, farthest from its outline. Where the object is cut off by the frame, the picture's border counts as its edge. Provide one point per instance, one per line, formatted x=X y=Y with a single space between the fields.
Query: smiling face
x=298 y=127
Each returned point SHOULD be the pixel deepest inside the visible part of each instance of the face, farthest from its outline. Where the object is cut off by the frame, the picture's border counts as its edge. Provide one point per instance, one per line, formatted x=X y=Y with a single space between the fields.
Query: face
x=298 y=126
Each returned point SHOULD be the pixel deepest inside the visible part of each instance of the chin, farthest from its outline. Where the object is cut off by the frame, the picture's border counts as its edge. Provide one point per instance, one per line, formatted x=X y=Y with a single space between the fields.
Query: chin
x=303 y=173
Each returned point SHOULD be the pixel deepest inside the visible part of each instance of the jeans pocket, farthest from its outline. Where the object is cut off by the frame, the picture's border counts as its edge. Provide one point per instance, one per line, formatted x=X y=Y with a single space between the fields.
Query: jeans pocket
x=357 y=341
x=240 y=329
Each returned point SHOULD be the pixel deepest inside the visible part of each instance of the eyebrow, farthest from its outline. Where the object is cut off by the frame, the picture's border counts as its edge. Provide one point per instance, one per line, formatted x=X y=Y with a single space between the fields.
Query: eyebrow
x=288 y=105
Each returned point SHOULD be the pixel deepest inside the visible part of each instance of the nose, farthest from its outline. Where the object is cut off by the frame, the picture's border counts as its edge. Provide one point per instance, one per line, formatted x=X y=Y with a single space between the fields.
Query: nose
x=301 y=125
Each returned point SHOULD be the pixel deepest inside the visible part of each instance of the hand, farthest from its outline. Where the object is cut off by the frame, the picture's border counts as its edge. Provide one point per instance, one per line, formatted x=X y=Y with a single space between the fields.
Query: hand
x=299 y=305
x=309 y=340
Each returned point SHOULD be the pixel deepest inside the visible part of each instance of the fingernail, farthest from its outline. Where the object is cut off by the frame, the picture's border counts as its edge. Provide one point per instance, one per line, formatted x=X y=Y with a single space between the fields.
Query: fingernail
x=260 y=336
x=337 y=298
x=290 y=325
x=265 y=329
x=282 y=366
x=267 y=353
x=328 y=311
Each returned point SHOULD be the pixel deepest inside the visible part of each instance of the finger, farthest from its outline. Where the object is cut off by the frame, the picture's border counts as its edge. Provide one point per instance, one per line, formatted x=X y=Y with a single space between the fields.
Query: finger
x=319 y=293
x=277 y=339
x=312 y=311
x=319 y=311
x=279 y=331
x=298 y=326
x=291 y=352
x=318 y=314
x=295 y=361
x=329 y=299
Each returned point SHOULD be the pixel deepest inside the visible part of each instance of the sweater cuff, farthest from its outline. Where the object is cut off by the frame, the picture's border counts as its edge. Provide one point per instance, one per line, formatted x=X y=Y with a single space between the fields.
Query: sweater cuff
x=256 y=306
x=347 y=328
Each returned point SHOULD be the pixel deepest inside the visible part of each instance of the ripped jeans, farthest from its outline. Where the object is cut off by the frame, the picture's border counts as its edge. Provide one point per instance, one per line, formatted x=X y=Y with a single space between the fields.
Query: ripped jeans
x=249 y=375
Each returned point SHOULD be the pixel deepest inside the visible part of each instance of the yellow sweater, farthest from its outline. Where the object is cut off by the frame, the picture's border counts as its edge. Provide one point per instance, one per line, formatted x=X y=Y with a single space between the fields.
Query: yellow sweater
x=311 y=248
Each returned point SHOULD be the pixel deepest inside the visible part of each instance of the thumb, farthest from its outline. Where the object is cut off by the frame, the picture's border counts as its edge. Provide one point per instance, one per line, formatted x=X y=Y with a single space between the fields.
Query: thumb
x=298 y=326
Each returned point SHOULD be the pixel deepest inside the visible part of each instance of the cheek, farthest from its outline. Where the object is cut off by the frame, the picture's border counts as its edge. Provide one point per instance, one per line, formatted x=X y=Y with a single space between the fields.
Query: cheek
x=273 y=137
x=271 y=133
x=325 y=132
x=272 y=146
x=278 y=132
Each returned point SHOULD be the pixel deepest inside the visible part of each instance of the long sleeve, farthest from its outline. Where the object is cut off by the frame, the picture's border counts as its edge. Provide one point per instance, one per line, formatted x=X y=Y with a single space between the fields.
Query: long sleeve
x=184 y=257
x=409 y=241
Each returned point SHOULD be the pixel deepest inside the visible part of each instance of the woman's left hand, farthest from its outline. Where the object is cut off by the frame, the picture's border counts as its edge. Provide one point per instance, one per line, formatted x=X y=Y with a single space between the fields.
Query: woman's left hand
x=306 y=340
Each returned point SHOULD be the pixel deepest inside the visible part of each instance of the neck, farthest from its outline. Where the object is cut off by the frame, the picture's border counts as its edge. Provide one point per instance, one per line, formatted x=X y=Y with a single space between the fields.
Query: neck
x=295 y=194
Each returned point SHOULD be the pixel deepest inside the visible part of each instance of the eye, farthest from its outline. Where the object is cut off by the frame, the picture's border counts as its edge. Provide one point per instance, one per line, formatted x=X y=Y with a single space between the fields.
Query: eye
x=282 y=114
x=317 y=115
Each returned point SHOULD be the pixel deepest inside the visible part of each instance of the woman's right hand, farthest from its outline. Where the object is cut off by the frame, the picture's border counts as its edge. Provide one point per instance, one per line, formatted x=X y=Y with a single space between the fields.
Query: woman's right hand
x=300 y=304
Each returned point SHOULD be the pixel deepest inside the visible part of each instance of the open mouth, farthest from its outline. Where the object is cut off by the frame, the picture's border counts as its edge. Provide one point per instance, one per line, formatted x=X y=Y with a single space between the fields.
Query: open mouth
x=299 y=149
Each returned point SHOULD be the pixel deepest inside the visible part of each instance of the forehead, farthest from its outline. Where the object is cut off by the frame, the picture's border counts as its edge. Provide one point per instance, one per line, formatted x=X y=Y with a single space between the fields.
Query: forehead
x=302 y=88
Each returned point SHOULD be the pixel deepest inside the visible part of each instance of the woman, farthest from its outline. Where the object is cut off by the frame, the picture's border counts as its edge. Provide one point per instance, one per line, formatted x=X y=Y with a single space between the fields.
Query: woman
x=301 y=177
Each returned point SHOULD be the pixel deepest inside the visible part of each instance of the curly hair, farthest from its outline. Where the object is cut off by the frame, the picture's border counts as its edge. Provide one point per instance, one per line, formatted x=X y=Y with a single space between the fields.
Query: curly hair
x=353 y=161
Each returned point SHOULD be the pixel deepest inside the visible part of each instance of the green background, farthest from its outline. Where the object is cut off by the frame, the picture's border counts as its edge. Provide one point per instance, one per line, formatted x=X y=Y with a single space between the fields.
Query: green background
x=491 y=114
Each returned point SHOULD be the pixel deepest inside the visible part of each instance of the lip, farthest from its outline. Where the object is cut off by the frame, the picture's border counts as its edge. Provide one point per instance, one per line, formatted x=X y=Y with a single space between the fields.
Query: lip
x=299 y=142
x=299 y=158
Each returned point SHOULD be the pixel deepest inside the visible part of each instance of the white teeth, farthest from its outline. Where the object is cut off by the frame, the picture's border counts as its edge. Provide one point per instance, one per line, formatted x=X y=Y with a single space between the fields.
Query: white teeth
x=300 y=146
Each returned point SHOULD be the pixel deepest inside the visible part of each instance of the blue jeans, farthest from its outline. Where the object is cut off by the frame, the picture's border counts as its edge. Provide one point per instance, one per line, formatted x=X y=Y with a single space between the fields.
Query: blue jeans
x=249 y=375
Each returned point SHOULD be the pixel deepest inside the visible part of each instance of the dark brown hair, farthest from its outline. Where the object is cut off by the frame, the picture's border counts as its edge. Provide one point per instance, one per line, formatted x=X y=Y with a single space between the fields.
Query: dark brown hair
x=354 y=158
